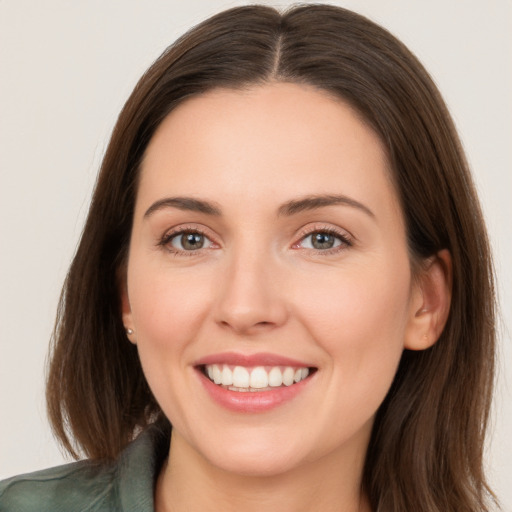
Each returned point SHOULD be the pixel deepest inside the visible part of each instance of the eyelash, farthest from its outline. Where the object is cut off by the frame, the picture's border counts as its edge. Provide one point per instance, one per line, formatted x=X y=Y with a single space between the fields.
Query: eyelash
x=165 y=241
x=343 y=237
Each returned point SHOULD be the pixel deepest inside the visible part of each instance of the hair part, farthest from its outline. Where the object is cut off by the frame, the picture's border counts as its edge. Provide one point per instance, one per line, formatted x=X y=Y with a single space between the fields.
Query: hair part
x=426 y=449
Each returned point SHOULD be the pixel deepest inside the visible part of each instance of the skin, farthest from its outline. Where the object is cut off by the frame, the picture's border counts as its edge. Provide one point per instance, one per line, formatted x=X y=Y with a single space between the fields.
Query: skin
x=259 y=285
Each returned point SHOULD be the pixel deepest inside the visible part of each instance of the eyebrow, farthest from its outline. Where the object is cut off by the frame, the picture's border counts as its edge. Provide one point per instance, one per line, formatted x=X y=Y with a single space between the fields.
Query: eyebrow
x=321 y=201
x=184 y=203
x=287 y=209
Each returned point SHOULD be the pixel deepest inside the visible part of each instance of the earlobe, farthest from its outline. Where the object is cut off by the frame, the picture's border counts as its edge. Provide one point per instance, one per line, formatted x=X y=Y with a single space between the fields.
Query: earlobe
x=430 y=304
x=126 y=310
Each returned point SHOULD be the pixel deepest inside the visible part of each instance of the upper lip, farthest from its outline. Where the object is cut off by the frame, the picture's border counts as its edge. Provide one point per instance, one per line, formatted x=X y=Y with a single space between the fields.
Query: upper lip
x=250 y=360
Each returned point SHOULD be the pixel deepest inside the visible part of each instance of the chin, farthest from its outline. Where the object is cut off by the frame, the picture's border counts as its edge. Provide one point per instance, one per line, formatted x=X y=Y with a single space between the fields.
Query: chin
x=254 y=457
x=258 y=465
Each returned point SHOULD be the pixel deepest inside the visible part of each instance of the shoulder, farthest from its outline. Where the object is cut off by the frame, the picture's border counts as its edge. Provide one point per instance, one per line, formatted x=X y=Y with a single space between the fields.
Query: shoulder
x=124 y=485
x=80 y=486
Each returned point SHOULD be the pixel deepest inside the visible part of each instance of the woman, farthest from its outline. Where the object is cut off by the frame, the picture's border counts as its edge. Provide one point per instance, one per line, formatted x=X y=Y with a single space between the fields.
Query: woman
x=285 y=260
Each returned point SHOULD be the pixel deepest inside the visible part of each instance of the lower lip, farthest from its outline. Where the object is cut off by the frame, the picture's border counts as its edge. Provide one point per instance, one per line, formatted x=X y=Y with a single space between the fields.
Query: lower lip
x=252 y=401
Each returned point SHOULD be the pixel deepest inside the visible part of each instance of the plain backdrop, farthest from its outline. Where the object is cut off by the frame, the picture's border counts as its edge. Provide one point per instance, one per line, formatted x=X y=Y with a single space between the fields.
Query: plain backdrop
x=66 y=69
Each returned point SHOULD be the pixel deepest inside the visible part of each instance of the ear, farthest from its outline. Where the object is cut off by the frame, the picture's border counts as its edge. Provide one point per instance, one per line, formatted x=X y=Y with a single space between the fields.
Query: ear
x=430 y=302
x=126 y=310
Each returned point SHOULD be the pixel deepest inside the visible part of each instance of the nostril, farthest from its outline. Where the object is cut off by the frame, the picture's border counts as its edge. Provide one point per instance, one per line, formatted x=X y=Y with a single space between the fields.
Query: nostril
x=246 y=326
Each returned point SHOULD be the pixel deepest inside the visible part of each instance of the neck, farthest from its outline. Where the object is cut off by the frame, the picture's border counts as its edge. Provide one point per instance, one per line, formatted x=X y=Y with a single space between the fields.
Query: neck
x=189 y=482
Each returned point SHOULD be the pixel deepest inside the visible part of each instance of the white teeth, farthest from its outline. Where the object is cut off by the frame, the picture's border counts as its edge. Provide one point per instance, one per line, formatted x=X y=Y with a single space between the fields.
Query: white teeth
x=259 y=378
x=241 y=378
x=275 y=377
x=288 y=375
x=227 y=376
x=217 y=375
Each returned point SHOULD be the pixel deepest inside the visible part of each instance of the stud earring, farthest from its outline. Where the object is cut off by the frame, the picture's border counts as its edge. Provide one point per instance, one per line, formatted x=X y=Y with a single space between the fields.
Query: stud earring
x=129 y=331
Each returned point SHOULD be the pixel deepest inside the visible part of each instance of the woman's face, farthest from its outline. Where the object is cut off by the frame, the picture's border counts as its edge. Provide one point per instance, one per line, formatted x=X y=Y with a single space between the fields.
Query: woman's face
x=268 y=247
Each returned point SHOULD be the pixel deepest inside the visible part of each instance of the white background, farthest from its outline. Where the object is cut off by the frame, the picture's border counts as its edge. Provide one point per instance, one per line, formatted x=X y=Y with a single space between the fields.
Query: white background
x=66 y=69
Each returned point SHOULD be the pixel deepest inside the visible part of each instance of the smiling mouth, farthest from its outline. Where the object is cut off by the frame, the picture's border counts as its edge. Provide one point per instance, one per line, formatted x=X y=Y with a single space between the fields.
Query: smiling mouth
x=255 y=379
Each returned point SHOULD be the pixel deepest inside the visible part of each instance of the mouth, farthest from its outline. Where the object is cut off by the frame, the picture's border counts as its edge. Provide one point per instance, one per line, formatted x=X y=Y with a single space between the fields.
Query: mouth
x=253 y=383
x=255 y=379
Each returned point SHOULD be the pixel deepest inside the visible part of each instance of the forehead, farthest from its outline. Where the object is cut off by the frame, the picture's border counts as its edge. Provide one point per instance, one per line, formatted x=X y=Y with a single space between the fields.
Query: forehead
x=280 y=140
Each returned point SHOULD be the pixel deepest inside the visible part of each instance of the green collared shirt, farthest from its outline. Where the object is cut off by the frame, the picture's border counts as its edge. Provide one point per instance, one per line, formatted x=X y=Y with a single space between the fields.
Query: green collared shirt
x=126 y=485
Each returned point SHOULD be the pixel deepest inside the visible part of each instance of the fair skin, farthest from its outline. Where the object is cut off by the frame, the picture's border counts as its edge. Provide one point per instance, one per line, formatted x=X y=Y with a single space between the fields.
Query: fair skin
x=232 y=252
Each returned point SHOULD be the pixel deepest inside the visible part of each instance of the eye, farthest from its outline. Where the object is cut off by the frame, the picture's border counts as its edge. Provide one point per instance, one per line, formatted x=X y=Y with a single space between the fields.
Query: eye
x=323 y=240
x=187 y=241
x=320 y=240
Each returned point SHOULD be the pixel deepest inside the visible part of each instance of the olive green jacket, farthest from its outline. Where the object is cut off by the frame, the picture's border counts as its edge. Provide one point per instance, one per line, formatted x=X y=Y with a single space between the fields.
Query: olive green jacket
x=126 y=485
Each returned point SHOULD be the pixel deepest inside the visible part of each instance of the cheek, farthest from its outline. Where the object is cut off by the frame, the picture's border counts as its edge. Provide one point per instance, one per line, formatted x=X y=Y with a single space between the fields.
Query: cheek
x=359 y=320
x=166 y=306
x=361 y=299
x=167 y=310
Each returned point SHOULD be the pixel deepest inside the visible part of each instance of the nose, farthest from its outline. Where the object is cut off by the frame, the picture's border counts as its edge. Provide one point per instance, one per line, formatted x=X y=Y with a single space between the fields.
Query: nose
x=250 y=297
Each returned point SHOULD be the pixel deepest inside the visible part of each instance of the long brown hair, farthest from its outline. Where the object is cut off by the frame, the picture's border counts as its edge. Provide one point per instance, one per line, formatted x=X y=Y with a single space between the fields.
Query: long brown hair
x=425 y=452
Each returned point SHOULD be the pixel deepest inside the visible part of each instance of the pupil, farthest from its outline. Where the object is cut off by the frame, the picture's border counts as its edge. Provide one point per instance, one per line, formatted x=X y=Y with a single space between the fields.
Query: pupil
x=323 y=241
x=192 y=241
